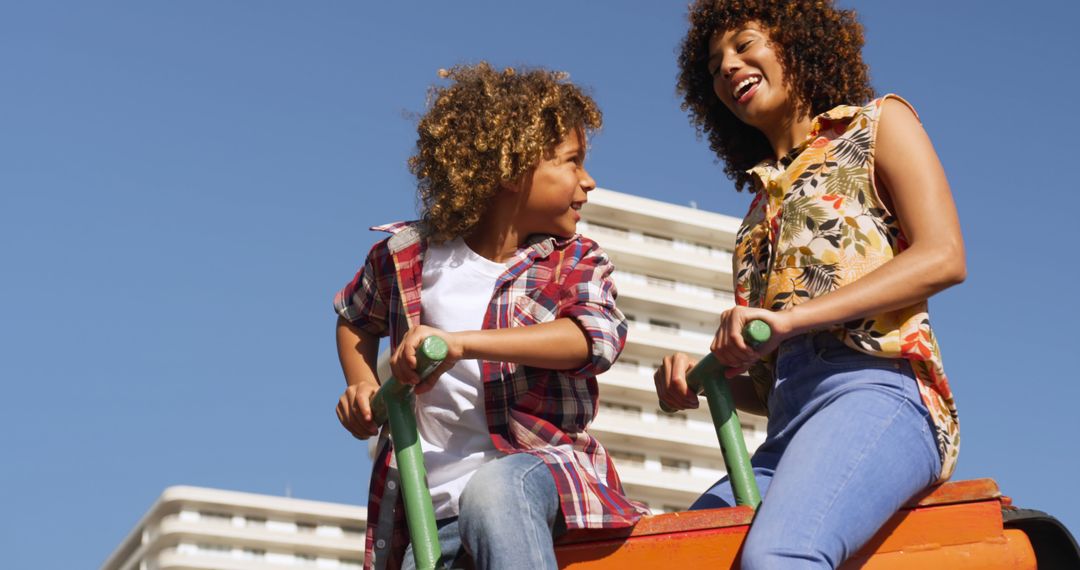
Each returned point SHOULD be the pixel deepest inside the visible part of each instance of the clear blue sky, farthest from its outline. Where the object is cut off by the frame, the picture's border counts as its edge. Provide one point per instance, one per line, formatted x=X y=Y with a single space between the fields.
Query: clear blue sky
x=185 y=184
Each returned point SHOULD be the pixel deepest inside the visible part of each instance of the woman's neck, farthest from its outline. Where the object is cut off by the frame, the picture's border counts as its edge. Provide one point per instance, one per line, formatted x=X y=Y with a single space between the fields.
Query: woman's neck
x=788 y=133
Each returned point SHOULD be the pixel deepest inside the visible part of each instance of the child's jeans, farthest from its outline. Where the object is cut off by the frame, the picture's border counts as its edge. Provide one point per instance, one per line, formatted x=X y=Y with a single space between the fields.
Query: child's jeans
x=849 y=442
x=509 y=516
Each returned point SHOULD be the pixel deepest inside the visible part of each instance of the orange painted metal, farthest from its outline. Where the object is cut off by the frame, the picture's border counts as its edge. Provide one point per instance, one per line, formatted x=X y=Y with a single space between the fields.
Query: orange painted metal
x=1012 y=550
x=957 y=525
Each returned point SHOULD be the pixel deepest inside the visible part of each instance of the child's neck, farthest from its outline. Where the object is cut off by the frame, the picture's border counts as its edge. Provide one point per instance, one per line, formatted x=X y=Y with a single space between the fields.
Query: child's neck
x=494 y=240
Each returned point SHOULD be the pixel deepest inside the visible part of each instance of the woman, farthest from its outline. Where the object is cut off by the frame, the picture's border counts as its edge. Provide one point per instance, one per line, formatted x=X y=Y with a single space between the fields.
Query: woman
x=851 y=229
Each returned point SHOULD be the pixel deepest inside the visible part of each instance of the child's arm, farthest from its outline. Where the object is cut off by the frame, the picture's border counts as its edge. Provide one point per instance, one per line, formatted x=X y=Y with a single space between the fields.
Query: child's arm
x=357 y=351
x=557 y=345
x=671 y=389
x=582 y=335
x=362 y=312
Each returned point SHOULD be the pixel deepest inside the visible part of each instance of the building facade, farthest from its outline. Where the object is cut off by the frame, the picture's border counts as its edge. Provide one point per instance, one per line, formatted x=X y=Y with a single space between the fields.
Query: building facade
x=673 y=273
x=674 y=279
x=194 y=528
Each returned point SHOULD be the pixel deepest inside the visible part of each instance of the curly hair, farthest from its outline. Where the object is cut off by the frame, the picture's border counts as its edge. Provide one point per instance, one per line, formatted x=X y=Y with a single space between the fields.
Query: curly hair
x=820 y=51
x=486 y=128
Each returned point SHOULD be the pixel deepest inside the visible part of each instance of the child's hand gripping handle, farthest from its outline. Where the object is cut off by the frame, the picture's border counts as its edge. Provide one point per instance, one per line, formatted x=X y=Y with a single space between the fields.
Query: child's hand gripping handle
x=708 y=375
x=393 y=401
x=429 y=355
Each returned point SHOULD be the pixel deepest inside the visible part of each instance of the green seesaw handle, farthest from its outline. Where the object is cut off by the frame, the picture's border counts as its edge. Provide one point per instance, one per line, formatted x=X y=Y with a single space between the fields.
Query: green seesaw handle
x=394 y=401
x=708 y=375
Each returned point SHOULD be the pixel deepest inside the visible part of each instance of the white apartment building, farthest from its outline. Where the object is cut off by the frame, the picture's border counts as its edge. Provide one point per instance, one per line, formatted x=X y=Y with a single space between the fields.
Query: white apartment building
x=194 y=528
x=673 y=273
x=674 y=278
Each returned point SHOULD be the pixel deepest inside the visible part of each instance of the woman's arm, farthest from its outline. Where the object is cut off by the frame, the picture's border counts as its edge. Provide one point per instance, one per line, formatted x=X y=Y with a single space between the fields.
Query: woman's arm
x=910 y=176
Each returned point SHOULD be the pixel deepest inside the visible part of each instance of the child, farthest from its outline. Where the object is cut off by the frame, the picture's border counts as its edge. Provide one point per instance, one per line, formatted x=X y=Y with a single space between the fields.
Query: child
x=851 y=229
x=527 y=307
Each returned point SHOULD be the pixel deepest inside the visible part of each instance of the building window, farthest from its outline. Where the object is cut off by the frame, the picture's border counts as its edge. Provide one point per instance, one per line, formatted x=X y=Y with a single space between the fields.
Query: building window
x=671 y=417
x=664 y=325
x=353 y=531
x=660 y=282
x=621 y=276
x=658 y=240
x=305 y=528
x=672 y=464
x=258 y=522
x=627 y=458
x=622 y=409
x=606 y=229
x=214 y=549
x=253 y=553
x=215 y=516
x=305 y=558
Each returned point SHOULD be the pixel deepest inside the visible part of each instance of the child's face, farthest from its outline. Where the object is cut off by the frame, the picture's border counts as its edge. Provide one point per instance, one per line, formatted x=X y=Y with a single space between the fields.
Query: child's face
x=556 y=190
x=747 y=75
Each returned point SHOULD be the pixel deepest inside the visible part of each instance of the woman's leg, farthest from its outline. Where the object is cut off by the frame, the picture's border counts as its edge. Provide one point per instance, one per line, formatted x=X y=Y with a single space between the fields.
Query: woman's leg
x=721 y=494
x=508 y=514
x=860 y=448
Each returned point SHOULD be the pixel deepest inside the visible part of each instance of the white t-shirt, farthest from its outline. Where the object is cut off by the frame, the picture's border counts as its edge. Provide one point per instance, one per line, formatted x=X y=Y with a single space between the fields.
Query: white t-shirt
x=457 y=288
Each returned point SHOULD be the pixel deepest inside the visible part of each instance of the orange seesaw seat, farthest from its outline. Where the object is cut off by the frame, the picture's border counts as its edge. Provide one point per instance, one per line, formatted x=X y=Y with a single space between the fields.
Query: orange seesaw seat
x=956 y=525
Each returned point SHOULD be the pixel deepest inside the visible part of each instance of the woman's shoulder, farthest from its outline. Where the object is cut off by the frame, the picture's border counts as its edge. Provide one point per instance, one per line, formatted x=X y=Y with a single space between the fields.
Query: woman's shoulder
x=890 y=101
x=862 y=121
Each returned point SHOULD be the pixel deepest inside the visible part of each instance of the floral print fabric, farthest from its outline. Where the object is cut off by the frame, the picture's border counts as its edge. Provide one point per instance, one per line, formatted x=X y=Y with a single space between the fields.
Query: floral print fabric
x=816 y=224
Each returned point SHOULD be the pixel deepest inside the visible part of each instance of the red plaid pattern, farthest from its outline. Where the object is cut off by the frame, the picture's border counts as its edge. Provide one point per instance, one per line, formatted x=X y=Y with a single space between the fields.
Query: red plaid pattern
x=529 y=410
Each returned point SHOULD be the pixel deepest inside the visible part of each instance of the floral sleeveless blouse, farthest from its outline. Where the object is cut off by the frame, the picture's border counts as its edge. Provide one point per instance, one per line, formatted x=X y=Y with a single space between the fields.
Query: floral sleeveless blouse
x=818 y=223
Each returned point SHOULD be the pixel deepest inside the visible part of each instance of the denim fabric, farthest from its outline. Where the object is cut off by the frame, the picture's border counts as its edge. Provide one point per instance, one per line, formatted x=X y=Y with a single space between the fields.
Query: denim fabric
x=509 y=517
x=849 y=442
x=452 y=556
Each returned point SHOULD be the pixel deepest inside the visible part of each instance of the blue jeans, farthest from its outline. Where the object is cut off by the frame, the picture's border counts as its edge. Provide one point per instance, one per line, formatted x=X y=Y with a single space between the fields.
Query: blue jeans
x=849 y=442
x=508 y=518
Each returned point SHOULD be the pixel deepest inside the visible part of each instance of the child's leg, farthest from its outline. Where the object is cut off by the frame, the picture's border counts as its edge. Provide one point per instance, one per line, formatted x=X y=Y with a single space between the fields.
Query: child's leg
x=863 y=447
x=451 y=556
x=508 y=514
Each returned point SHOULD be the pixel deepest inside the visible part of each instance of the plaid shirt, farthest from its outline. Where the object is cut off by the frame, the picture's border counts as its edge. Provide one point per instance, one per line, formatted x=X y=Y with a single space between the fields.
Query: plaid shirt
x=529 y=410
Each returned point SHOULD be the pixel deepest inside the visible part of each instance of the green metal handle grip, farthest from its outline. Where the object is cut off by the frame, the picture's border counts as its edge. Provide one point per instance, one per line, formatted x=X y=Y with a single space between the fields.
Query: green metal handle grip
x=394 y=401
x=708 y=375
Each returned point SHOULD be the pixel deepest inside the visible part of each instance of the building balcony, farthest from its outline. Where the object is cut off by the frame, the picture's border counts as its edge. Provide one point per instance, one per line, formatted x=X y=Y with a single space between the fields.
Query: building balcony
x=662 y=218
x=668 y=300
x=659 y=487
x=172 y=529
x=654 y=343
x=643 y=256
x=191 y=557
x=629 y=432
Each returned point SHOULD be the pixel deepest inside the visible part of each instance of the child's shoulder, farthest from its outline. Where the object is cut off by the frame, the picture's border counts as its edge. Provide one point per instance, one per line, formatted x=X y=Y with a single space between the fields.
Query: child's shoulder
x=581 y=251
x=402 y=236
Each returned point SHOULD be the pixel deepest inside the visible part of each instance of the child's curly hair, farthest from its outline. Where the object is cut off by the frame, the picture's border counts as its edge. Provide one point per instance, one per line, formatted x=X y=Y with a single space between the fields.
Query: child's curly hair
x=820 y=49
x=487 y=128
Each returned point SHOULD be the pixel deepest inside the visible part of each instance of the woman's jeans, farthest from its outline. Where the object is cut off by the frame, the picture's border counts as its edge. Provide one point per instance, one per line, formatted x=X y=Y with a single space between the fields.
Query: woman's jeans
x=849 y=442
x=509 y=516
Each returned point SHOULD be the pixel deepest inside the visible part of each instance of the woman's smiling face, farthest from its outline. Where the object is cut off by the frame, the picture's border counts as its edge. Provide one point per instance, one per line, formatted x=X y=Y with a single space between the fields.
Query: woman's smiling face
x=748 y=77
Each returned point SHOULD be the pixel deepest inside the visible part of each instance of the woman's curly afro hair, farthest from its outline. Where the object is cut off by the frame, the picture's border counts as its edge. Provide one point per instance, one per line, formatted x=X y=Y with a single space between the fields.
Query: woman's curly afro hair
x=820 y=51
x=487 y=128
